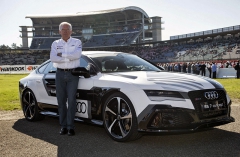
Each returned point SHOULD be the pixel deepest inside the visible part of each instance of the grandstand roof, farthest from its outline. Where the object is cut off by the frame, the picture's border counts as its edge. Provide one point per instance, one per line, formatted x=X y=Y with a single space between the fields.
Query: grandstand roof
x=130 y=8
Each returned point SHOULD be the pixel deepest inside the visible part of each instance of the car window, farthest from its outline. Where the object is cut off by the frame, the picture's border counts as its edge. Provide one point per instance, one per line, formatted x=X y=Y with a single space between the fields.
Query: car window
x=50 y=68
x=42 y=68
x=83 y=63
x=122 y=63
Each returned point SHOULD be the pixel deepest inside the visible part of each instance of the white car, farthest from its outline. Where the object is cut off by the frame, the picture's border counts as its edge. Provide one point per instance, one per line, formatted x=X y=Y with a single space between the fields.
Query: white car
x=129 y=95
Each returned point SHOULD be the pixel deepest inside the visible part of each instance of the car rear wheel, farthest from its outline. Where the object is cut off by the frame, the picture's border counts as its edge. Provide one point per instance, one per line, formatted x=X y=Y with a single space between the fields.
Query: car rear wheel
x=30 y=107
x=119 y=118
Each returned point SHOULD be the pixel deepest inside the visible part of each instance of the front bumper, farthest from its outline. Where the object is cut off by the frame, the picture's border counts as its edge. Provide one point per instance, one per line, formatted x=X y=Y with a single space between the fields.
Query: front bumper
x=163 y=118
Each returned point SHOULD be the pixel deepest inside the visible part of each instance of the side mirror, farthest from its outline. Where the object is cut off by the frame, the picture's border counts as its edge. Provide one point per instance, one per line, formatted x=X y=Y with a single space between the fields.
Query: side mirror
x=81 y=71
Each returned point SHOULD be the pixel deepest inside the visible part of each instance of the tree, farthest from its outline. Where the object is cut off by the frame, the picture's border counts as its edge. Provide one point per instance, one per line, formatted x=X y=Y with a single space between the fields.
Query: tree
x=14 y=45
x=4 y=47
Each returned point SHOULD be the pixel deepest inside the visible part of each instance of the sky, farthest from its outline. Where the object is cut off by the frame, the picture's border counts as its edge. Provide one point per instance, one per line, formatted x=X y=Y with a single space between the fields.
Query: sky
x=179 y=16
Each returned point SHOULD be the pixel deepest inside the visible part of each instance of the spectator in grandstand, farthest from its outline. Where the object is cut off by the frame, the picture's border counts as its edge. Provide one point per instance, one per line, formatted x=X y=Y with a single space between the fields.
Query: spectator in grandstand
x=171 y=67
x=175 y=67
x=221 y=65
x=184 y=67
x=194 y=69
x=189 y=67
x=179 y=67
x=65 y=54
x=165 y=66
x=214 y=70
x=227 y=64
x=237 y=68
x=232 y=64
x=168 y=67
x=197 y=68
x=203 y=69
x=209 y=67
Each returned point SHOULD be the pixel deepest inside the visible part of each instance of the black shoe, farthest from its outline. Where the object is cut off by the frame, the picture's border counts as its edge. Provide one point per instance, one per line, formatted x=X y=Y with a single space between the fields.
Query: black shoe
x=63 y=131
x=71 y=132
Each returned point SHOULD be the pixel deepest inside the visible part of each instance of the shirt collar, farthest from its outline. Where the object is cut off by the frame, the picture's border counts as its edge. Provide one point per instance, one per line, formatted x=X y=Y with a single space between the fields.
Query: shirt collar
x=67 y=40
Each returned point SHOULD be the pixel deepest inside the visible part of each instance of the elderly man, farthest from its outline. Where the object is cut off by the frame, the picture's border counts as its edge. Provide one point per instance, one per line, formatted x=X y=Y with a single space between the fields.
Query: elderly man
x=65 y=55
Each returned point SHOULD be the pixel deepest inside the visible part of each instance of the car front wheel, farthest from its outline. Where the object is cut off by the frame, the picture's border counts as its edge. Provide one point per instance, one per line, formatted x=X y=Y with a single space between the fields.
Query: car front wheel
x=30 y=107
x=119 y=118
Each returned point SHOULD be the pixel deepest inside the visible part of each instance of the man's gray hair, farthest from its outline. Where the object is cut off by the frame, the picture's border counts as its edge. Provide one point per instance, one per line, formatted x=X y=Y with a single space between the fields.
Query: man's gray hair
x=65 y=23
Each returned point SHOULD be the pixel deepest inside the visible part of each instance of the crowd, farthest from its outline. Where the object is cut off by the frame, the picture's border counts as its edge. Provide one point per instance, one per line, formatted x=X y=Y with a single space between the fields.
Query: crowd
x=111 y=39
x=202 y=51
x=193 y=51
x=24 y=58
x=199 y=68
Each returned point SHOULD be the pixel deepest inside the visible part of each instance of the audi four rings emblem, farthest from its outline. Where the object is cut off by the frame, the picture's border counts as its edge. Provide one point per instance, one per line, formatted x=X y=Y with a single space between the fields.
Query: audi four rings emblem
x=81 y=107
x=211 y=95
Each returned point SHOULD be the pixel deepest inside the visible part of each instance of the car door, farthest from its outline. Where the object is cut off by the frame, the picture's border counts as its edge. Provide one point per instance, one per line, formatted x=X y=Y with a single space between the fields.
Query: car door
x=83 y=96
x=46 y=96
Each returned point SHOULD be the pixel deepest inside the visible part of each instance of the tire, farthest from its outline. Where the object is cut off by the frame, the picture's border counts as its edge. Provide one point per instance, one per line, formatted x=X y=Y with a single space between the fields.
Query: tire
x=30 y=107
x=119 y=118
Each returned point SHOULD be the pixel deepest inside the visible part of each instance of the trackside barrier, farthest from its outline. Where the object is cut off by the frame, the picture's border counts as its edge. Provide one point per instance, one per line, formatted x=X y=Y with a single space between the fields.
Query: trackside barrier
x=226 y=73
x=6 y=69
x=223 y=73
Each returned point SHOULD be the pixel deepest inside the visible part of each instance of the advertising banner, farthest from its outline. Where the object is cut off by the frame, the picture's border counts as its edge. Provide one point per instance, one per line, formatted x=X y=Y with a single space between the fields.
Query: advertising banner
x=17 y=68
x=30 y=68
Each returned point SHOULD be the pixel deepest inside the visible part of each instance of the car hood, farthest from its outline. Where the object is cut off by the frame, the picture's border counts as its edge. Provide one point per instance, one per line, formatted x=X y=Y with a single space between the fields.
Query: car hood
x=165 y=80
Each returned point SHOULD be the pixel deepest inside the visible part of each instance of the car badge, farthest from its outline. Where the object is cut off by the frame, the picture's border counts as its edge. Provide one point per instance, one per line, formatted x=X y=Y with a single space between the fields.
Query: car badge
x=211 y=95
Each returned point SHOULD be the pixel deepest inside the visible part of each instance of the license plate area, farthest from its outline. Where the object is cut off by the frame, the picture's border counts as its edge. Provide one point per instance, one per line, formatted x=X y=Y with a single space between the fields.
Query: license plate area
x=215 y=105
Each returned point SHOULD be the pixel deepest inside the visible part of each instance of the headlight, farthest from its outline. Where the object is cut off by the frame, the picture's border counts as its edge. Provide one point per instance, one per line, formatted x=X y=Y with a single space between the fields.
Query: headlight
x=160 y=95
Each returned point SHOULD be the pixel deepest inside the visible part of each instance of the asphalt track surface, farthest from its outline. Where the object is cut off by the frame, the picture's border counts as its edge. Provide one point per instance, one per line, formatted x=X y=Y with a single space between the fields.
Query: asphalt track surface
x=19 y=137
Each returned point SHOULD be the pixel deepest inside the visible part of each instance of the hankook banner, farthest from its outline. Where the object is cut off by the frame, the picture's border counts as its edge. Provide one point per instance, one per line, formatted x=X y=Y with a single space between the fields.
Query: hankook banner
x=17 y=68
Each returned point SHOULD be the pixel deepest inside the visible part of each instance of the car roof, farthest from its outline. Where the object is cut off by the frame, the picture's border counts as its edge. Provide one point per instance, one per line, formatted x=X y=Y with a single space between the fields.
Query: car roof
x=99 y=52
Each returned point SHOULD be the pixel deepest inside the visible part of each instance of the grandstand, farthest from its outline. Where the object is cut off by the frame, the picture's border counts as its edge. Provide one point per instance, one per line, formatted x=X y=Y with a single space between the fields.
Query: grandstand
x=106 y=28
x=128 y=29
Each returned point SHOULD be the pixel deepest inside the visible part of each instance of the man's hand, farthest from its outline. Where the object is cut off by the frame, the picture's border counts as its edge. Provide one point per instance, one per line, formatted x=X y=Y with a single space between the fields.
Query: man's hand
x=59 y=54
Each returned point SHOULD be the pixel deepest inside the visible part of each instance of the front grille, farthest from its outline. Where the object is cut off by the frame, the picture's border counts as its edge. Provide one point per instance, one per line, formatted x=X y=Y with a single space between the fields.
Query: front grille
x=211 y=107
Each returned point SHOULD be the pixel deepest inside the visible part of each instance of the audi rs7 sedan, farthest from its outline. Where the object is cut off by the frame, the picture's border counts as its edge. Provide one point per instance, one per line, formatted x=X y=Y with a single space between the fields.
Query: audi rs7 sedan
x=129 y=96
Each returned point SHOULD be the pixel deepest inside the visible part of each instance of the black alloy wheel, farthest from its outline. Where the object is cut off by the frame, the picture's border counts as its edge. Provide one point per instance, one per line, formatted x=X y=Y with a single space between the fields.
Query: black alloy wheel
x=30 y=107
x=119 y=118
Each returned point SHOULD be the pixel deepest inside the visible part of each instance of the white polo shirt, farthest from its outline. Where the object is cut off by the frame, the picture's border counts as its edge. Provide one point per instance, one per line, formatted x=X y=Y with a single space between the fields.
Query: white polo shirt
x=71 y=53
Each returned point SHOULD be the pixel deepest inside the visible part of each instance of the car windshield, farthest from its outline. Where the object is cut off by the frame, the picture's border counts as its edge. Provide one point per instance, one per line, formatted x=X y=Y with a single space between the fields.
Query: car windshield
x=121 y=62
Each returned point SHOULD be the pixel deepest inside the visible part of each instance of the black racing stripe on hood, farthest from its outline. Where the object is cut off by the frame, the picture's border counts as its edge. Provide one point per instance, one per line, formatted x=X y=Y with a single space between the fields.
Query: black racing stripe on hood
x=182 y=85
x=126 y=76
x=177 y=86
x=216 y=84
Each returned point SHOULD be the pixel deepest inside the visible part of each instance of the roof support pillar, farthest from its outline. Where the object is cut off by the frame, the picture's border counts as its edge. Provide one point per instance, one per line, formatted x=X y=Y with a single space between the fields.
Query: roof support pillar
x=143 y=31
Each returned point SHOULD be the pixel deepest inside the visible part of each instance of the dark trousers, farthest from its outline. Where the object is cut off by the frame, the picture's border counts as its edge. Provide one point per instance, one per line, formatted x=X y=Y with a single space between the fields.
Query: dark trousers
x=238 y=73
x=203 y=72
x=214 y=74
x=66 y=88
x=210 y=72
